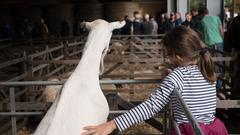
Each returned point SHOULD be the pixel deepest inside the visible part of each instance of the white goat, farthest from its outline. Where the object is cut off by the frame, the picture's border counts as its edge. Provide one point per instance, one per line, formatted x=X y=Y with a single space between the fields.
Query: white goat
x=81 y=101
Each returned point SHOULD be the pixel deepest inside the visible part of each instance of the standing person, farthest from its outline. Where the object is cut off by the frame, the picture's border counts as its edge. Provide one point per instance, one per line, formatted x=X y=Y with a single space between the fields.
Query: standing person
x=126 y=29
x=195 y=17
x=172 y=20
x=213 y=36
x=233 y=38
x=27 y=27
x=233 y=34
x=165 y=24
x=76 y=26
x=137 y=23
x=7 y=31
x=65 y=29
x=188 y=21
x=213 y=31
x=197 y=22
x=161 y=24
x=178 y=20
x=43 y=29
x=147 y=25
x=193 y=76
x=155 y=26
x=19 y=25
x=227 y=16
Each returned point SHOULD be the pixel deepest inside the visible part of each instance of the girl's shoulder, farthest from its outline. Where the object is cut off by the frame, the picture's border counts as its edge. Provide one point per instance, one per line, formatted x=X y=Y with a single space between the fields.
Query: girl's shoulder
x=182 y=71
x=181 y=74
x=176 y=77
x=187 y=68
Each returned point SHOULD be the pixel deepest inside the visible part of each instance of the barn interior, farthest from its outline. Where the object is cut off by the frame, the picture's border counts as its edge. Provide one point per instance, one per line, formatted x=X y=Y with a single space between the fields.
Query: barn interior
x=42 y=41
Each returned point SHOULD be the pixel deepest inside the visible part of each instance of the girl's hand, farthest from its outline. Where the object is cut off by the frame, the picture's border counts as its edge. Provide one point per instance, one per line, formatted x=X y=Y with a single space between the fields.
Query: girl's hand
x=102 y=129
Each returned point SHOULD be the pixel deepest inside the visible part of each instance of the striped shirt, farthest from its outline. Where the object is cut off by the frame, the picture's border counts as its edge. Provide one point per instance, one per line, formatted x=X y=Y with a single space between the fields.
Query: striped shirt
x=196 y=91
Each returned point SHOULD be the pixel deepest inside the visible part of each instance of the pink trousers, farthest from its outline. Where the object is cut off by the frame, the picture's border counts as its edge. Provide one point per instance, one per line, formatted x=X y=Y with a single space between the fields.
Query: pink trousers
x=215 y=128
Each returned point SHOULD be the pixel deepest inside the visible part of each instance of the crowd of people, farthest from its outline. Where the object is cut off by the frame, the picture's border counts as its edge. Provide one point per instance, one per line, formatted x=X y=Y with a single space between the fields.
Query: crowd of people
x=209 y=28
x=24 y=28
x=150 y=25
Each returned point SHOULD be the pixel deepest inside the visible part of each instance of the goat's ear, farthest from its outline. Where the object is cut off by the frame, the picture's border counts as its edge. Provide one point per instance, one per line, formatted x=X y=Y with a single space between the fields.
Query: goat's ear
x=87 y=25
x=117 y=25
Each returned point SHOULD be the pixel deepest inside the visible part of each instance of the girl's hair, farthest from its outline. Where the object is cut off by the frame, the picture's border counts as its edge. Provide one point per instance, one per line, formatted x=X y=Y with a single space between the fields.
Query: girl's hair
x=185 y=43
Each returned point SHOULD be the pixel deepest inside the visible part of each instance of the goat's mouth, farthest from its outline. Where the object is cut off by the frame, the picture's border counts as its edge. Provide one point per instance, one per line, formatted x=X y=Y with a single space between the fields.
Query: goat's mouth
x=84 y=26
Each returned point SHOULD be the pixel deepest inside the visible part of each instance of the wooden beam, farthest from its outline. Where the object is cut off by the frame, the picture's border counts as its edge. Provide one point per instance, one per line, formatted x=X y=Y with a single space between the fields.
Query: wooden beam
x=230 y=104
x=55 y=70
x=46 y=51
x=112 y=68
x=224 y=59
x=108 y=59
x=12 y=62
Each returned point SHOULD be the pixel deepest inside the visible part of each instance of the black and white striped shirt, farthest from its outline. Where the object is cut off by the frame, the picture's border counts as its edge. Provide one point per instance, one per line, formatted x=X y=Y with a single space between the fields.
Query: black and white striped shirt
x=197 y=92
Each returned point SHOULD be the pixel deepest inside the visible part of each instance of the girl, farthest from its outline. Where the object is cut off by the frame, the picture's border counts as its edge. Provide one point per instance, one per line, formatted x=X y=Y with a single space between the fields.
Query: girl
x=193 y=75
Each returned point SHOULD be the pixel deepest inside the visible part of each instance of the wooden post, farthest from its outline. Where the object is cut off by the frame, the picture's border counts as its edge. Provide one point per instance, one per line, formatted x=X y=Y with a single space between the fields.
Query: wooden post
x=131 y=71
x=47 y=58
x=66 y=54
x=13 y=110
x=25 y=62
x=234 y=2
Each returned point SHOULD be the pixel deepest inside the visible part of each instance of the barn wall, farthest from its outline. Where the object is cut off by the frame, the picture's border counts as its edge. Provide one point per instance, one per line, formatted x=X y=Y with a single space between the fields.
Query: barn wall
x=89 y=12
x=117 y=10
x=54 y=13
x=215 y=7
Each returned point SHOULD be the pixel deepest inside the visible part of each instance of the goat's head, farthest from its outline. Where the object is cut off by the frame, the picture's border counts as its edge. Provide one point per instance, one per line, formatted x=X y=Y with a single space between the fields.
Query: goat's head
x=103 y=30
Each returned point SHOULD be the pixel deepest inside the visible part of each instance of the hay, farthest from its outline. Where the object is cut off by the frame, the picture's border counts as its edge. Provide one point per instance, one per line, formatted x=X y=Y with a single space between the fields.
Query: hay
x=22 y=131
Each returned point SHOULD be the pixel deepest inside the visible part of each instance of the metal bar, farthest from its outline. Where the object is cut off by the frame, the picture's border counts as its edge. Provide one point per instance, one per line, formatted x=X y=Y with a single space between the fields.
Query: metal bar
x=13 y=110
x=35 y=83
x=165 y=121
x=175 y=125
x=40 y=113
x=193 y=122
x=117 y=111
x=156 y=35
x=117 y=59
x=19 y=113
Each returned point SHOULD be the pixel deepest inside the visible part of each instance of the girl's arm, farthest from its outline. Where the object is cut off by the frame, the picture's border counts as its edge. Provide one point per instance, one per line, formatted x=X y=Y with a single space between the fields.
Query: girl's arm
x=155 y=103
x=146 y=110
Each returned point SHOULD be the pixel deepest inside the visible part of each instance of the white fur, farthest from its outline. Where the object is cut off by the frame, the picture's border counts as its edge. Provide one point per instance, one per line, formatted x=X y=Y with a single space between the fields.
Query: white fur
x=50 y=92
x=82 y=102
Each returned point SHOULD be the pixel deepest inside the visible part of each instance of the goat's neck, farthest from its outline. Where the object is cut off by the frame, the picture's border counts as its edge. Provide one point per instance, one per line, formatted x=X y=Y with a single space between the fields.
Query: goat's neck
x=90 y=61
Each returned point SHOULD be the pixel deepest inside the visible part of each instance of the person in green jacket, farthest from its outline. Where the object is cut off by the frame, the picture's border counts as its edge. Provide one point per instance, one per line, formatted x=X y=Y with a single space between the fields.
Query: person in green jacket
x=213 y=31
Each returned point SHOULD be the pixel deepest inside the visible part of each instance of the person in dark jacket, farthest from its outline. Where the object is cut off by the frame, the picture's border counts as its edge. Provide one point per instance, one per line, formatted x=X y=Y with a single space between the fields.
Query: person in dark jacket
x=197 y=21
x=65 y=29
x=126 y=29
x=147 y=25
x=188 y=21
x=137 y=23
x=178 y=19
x=233 y=34
x=165 y=25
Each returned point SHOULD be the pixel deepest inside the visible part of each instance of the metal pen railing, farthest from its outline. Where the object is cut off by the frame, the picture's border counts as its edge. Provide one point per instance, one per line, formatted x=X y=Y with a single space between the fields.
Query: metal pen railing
x=191 y=119
x=13 y=114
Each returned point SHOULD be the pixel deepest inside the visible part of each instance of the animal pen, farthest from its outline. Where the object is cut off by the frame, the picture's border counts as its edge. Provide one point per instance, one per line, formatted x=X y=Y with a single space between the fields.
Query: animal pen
x=134 y=66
